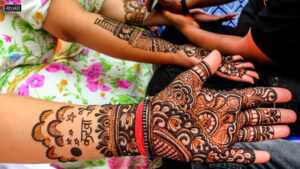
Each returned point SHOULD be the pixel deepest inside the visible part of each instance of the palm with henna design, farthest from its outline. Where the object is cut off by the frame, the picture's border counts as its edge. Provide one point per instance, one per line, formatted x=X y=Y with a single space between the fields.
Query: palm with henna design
x=194 y=124
x=232 y=68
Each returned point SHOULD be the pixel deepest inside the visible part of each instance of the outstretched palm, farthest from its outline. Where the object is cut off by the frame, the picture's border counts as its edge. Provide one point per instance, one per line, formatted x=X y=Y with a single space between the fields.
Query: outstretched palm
x=191 y=123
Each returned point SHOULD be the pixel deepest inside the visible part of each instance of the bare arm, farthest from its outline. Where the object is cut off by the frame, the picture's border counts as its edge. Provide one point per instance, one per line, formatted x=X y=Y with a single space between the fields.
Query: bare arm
x=67 y=20
x=177 y=5
x=226 y=44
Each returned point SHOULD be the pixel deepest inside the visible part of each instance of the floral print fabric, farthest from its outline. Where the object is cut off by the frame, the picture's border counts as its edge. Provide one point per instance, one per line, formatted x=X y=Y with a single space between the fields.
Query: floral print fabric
x=22 y=39
x=90 y=78
x=138 y=162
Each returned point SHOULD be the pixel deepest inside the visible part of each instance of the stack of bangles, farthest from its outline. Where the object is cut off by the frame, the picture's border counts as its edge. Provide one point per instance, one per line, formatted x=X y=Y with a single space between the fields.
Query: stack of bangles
x=141 y=128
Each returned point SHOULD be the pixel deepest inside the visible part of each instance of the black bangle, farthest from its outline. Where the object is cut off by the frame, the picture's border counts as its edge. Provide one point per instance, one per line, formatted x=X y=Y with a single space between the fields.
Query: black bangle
x=145 y=127
x=184 y=7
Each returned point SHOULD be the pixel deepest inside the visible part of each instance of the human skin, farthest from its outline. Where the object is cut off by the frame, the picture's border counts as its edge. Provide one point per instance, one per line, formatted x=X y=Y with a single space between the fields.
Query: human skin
x=67 y=20
x=196 y=124
x=176 y=6
x=226 y=44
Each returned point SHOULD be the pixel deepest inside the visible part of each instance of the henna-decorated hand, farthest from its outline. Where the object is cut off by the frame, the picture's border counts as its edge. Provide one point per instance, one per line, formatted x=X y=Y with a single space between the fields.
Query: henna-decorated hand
x=232 y=68
x=193 y=124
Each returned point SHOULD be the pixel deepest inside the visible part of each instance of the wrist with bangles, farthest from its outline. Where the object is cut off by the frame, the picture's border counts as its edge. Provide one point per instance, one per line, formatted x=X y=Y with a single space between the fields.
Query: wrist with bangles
x=142 y=128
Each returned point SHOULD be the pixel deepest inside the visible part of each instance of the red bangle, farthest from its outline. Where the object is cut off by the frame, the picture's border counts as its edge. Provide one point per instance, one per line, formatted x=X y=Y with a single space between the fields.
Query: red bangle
x=140 y=141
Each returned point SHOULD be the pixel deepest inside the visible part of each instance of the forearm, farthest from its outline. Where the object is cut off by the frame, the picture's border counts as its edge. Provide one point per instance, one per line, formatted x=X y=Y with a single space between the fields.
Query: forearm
x=55 y=132
x=181 y=6
x=227 y=44
x=126 y=42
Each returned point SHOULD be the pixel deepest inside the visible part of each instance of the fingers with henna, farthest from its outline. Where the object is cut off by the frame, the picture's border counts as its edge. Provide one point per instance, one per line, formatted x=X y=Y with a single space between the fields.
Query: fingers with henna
x=261 y=133
x=247 y=65
x=232 y=58
x=245 y=155
x=253 y=97
x=262 y=116
x=240 y=75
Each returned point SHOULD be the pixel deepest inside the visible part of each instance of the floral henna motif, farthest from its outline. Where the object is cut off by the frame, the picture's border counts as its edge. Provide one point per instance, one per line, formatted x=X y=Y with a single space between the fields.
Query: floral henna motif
x=116 y=129
x=191 y=124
